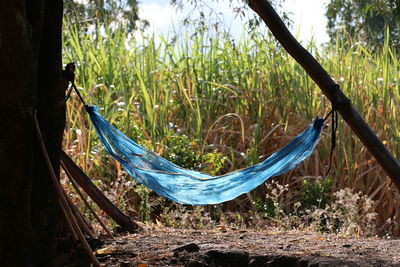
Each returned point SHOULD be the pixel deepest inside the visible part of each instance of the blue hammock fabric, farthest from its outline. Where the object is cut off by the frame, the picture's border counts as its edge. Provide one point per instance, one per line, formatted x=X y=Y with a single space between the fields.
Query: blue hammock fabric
x=196 y=188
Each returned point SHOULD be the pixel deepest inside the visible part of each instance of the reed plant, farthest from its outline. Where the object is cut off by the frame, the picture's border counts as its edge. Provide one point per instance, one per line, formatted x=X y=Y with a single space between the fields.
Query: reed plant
x=243 y=99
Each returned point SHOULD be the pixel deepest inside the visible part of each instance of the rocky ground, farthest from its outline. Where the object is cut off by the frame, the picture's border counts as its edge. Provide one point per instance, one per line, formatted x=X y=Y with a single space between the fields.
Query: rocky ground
x=158 y=246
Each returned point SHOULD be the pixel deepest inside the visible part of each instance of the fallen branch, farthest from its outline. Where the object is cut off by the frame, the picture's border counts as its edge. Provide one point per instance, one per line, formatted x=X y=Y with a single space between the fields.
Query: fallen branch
x=78 y=215
x=97 y=196
x=85 y=201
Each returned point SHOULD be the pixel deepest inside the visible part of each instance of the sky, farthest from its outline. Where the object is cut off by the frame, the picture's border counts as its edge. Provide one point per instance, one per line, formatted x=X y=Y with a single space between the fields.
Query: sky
x=307 y=16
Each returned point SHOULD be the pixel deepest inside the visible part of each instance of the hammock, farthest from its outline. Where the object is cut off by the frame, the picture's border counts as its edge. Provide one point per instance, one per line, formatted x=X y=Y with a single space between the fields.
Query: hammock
x=197 y=188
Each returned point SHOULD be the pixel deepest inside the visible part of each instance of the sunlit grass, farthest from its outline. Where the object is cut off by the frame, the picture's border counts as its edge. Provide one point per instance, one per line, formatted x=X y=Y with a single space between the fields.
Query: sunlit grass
x=245 y=99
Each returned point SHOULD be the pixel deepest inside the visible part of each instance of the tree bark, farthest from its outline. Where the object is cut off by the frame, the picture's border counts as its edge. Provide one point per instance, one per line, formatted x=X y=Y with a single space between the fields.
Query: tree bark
x=31 y=77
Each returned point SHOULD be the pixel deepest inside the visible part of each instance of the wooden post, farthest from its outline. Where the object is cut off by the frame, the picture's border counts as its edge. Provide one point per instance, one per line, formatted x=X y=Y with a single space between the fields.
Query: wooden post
x=97 y=196
x=329 y=88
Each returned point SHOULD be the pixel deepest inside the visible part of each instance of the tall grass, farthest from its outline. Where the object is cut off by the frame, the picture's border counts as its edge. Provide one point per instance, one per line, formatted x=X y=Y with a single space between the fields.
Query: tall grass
x=244 y=99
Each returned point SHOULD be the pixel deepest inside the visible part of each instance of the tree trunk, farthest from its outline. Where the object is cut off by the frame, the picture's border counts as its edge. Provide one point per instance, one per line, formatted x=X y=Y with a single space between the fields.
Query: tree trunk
x=31 y=77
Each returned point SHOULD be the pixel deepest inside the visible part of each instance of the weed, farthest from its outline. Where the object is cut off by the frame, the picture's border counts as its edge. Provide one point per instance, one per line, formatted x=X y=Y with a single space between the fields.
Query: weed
x=182 y=151
x=315 y=193
x=348 y=214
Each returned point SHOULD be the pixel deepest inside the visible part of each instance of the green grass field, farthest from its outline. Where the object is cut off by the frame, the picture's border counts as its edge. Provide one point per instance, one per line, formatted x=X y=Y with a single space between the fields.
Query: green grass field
x=207 y=102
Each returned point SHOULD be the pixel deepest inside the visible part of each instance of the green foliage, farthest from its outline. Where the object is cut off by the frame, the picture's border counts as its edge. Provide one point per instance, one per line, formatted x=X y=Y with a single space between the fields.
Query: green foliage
x=272 y=206
x=145 y=85
x=182 y=151
x=265 y=207
x=145 y=203
x=364 y=20
x=316 y=193
x=214 y=162
x=103 y=11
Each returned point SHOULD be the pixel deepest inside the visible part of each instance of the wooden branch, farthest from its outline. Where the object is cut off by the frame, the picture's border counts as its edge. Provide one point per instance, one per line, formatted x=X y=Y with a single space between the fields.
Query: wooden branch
x=78 y=215
x=97 y=196
x=85 y=201
x=329 y=88
x=68 y=221
x=61 y=197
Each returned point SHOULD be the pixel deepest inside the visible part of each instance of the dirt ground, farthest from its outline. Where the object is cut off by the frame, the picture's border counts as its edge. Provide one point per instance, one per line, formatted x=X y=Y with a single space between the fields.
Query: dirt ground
x=159 y=246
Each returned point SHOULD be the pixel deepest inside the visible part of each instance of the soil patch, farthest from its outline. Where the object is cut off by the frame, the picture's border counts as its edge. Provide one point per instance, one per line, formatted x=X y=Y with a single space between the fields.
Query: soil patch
x=172 y=247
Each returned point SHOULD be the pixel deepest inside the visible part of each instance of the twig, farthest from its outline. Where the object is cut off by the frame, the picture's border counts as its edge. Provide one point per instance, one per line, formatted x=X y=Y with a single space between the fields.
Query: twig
x=69 y=221
x=85 y=201
x=78 y=215
x=97 y=196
